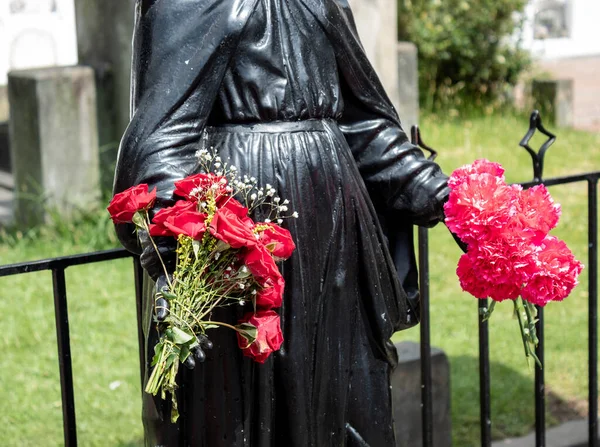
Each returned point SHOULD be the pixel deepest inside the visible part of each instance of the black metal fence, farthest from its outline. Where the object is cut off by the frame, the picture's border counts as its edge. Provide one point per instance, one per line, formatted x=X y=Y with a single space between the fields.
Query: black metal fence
x=57 y=267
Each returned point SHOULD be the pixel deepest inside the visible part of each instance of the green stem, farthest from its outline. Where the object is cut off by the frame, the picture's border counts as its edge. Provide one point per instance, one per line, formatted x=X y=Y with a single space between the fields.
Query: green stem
x=488 y=313
x=147 y=228
x=518 y=307
x=218 y=323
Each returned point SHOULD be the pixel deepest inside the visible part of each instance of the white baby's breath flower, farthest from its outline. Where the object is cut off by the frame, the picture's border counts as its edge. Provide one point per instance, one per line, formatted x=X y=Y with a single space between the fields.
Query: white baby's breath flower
x=253 y=292
x=276 y=199
x=217 y=165
x=242 y=303
x=260 y=193
x=253 y=179
x=241 y=285
x=217 y=255
x=244 y=269
x=279 y=221
x=295 y=214
x=286 y=201
x=268 y=186
x=253 y=196
x=267 y=220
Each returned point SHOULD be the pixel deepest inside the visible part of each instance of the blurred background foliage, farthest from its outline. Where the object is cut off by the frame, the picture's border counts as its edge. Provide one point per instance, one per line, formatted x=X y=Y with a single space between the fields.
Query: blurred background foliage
x=469 y=52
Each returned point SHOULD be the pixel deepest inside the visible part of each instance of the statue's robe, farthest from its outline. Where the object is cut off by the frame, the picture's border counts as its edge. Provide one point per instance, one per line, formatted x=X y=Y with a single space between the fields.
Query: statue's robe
x=284 y=88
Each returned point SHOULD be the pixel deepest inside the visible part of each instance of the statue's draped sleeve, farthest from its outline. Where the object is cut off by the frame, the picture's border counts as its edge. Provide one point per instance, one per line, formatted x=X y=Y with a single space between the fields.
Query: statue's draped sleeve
x=180 y=53
x=399 y=178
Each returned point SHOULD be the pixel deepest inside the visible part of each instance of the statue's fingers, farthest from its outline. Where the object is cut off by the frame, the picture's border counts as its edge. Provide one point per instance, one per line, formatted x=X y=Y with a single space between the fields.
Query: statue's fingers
x=161 y=309
x=162 y=283
x=198 y=353
x=205 y=343
x=190 y=363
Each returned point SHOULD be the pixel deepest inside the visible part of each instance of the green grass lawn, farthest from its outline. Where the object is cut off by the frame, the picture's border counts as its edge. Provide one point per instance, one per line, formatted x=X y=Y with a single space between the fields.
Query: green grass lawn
x=103 y=325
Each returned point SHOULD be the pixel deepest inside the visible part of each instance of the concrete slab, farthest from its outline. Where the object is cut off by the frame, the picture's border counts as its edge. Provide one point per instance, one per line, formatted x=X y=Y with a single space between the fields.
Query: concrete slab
x=569 y=434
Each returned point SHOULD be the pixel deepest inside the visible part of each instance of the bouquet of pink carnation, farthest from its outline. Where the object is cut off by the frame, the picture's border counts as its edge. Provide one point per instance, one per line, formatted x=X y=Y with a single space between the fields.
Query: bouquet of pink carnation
x=509 y=252
x=223 y=258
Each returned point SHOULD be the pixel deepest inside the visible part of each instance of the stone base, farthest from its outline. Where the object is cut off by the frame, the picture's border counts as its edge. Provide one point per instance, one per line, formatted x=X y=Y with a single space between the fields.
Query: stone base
x=406 y=397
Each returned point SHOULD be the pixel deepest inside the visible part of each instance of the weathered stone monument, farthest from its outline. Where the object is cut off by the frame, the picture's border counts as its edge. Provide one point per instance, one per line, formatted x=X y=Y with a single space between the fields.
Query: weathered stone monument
x=376 y=21
x=408 y=85
x=104 y=33
x=406 y=397
x=554 y=99
x=53 y=140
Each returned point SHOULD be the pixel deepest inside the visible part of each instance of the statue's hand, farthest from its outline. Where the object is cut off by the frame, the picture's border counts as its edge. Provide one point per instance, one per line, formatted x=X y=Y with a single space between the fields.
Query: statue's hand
x=161 y=312
x=459 y=242
x=150 y=259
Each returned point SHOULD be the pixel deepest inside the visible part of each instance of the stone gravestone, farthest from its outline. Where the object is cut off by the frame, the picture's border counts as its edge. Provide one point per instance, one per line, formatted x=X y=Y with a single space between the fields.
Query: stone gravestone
x=408 y=85
x=54 y=141
x=406 y=397
x=104 y=39
x=377 y=26
x=33 y=33
x=554 y=99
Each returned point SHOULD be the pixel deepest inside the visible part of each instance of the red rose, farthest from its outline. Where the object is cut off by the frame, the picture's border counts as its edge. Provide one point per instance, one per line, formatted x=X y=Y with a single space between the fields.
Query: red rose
x=188 y=223
x=235 y=207
x=271 y=296
x=277 y=240
x=125 y=204
x=196 y=187
x=229 y=228
x=261 y=264
x=157 y=227
x=268 y=337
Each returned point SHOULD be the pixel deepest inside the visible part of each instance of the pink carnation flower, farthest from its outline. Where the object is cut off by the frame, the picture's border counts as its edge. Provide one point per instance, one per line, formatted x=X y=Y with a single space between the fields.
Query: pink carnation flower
x=481 y=166
x=481 y=204
x=537 y=213
x=556 y=276
x=469 y=279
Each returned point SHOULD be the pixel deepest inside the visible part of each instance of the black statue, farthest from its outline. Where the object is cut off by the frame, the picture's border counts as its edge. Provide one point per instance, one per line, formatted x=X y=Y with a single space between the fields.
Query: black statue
x=284 y=88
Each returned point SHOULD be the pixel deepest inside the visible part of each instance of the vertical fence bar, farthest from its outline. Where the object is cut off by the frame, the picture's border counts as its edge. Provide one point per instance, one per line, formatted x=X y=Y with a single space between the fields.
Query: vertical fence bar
x=485 y=407
x=540 y=386
x=593 y=310
x=61 y=316
x=426 y=383
x=138 y=273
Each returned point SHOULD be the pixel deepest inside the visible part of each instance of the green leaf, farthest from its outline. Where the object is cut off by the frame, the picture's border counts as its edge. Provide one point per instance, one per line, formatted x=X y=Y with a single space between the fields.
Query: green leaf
x=166 y=295
x=139 y=219
x=248 y=331
x=184 y=353
x=178 y=336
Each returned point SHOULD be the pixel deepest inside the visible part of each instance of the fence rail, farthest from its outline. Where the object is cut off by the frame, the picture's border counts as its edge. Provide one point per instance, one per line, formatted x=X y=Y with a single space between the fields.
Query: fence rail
x=58 y=266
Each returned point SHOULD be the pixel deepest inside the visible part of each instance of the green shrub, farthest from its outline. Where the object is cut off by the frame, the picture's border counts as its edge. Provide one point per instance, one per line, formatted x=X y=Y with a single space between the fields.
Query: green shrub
x=468 y=54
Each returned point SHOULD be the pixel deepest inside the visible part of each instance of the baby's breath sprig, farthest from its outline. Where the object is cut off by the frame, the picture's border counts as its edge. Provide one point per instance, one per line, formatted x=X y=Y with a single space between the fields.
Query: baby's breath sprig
x=245 y=188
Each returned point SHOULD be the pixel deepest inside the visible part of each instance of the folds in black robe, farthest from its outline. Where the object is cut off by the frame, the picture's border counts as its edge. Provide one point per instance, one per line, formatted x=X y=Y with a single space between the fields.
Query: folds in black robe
x=284 y=89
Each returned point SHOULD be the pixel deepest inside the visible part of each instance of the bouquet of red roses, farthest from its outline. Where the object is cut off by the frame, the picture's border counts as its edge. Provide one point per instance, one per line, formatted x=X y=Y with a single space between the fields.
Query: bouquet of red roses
x=510 y=254
x=223 y=258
